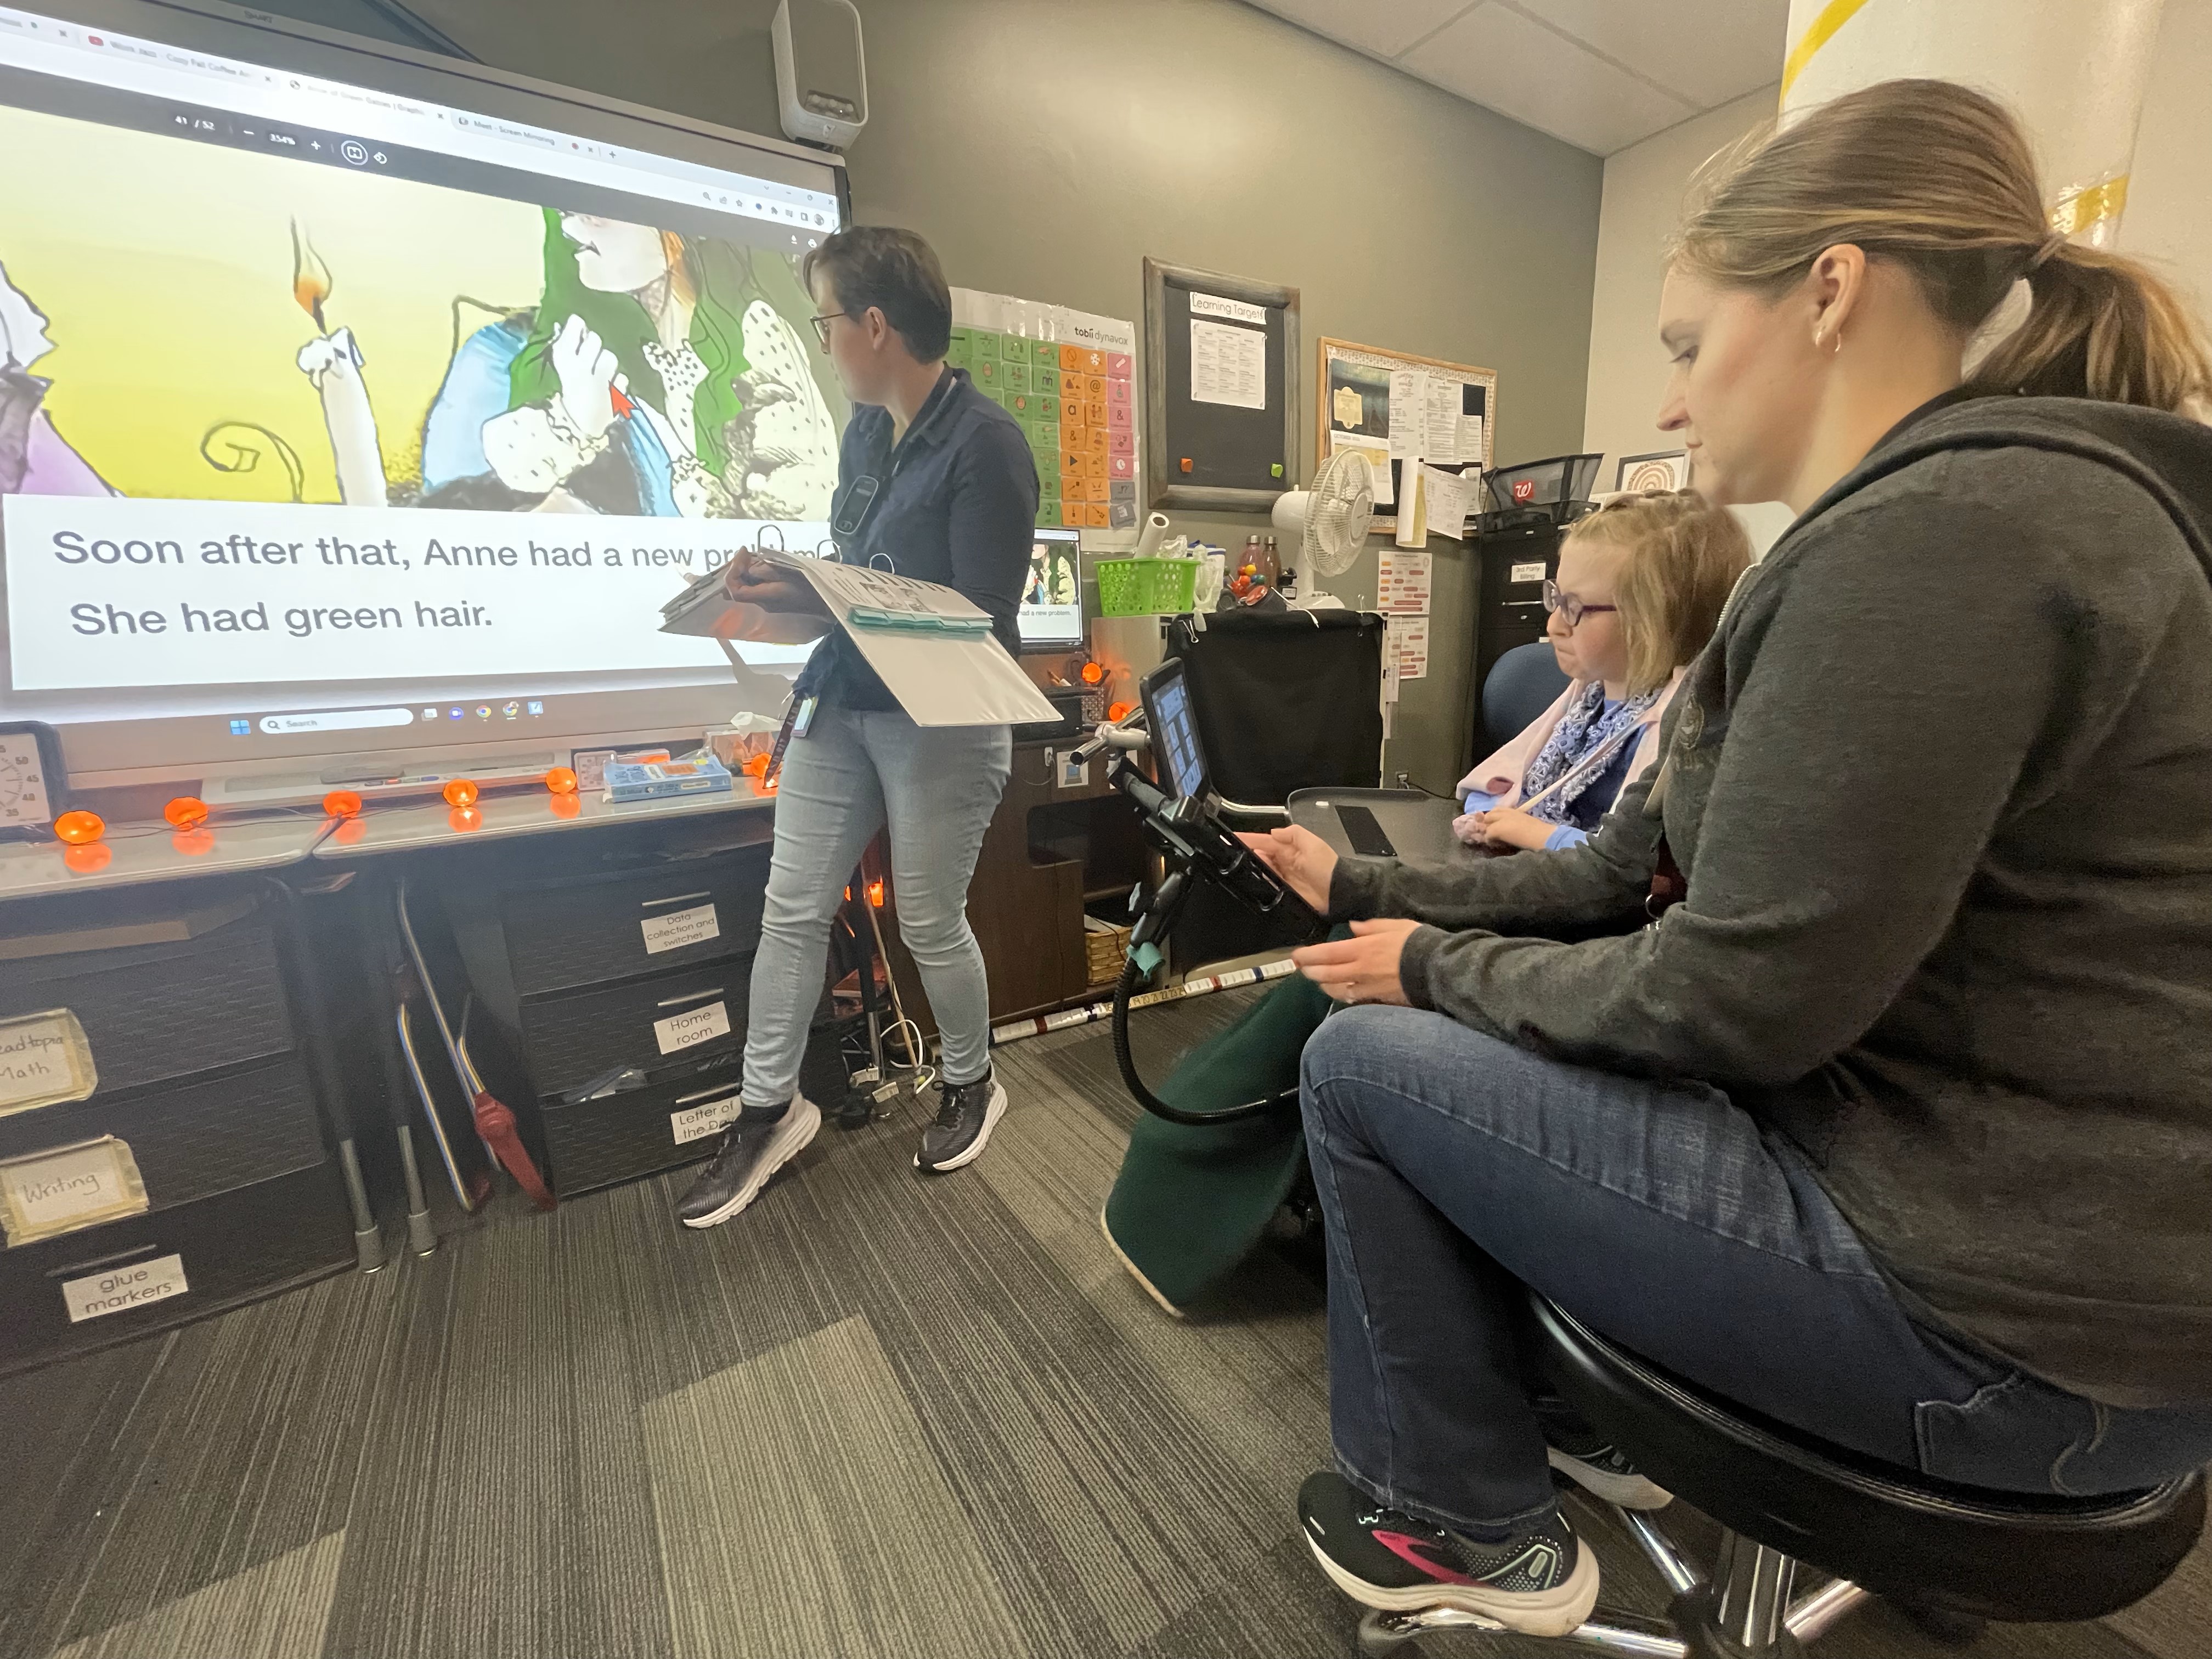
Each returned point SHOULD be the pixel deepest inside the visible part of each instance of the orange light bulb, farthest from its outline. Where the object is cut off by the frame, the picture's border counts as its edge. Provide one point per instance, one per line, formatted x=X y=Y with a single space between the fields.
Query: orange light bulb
x=1120 y=711
x=89 y=858
x=79 y=828
x=876 y=892
x=342 y=804
x=1093 y=674
x=185 y=812
x=462 y=819
x=461 y=792
x=560 y=781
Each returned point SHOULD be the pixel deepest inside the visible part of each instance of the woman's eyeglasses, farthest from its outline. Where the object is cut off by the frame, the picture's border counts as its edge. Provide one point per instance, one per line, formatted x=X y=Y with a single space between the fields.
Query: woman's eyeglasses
x=822 y=325
x=1568 y=605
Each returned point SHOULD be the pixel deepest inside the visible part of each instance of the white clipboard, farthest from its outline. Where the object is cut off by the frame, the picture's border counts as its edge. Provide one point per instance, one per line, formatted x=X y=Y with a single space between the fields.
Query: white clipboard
x=939 y=681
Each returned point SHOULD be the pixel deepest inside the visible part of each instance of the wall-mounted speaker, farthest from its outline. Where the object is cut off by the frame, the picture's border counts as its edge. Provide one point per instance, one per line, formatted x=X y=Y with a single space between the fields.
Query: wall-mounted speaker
x=821 y=76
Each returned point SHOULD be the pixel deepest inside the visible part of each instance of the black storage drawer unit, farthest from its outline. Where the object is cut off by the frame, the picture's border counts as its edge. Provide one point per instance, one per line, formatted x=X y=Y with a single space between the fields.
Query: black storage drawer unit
x=597 y=958
x=232 y=1249
x=589 y=930
x=575 y=1039
x=184 y=997
x=620 y=1137
x=190 y=1140
x=155 y=1012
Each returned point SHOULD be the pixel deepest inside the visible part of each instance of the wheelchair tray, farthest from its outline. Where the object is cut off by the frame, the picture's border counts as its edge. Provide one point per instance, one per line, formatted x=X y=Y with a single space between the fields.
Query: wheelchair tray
x=1403 y=823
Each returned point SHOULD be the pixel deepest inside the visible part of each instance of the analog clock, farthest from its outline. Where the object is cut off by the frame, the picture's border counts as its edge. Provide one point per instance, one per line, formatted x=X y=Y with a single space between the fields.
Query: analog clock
x=33 y=785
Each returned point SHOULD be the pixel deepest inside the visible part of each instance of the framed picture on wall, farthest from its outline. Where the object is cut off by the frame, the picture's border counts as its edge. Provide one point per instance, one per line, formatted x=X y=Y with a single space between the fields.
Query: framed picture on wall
x=1667 y=470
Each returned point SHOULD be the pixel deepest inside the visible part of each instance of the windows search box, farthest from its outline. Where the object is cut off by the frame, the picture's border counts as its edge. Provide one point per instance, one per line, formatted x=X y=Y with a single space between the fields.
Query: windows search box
x=339 y=719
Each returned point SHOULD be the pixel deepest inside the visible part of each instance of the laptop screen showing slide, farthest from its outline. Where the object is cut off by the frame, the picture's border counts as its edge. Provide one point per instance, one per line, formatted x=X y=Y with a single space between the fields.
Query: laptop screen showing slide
x=1051 y=617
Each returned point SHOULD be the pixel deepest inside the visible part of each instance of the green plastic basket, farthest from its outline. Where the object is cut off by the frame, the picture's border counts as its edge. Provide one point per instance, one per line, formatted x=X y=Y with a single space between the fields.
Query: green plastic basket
x=1145 y=587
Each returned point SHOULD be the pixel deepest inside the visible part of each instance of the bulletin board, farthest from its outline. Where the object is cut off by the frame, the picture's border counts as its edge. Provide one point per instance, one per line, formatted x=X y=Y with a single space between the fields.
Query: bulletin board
x=1069 y=381
x=1221 y=383
x=1363 y=398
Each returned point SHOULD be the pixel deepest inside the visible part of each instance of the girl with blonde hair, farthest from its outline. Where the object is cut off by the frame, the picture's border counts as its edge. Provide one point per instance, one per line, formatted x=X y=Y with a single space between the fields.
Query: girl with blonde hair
x=1640 y=584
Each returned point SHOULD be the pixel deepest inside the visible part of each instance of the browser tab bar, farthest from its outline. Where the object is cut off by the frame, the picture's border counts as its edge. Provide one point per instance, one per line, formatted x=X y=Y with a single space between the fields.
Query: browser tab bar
x=301 y=102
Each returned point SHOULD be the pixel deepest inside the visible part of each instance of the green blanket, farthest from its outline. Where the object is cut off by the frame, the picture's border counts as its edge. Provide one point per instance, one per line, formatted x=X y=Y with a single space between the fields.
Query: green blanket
x=1190 y=1202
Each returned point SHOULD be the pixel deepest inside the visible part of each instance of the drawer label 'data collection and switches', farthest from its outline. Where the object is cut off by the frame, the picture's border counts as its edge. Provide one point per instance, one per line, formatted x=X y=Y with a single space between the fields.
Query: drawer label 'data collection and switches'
x=679 y=928
x=692 y=1027
x=117 y=1290
x=700 y=1121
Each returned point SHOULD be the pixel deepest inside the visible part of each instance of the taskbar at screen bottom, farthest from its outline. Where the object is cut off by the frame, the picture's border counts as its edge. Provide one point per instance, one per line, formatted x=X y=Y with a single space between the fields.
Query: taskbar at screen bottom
x=334 y=744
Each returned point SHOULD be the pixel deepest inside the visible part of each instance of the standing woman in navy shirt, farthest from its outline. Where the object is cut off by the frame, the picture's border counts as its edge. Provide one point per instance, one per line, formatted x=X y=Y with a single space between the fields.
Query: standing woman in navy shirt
x=935 y=482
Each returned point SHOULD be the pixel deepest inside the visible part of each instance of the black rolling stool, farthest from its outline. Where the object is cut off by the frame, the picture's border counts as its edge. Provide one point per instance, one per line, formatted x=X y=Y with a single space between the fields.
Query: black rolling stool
x=1950 y=1553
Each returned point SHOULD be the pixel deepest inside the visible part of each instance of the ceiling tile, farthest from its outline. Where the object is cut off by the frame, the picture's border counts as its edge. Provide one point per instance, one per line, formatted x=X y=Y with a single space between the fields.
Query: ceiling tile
x=1385 y=28
x=1705 y=51
x=1502 y=60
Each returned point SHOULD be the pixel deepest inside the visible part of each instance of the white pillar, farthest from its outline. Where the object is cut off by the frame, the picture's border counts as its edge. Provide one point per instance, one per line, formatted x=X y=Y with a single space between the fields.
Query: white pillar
x=2074 y=70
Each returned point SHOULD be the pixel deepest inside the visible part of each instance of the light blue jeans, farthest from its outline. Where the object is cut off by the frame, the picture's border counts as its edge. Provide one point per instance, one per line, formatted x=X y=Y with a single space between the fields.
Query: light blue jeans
x=937 y=786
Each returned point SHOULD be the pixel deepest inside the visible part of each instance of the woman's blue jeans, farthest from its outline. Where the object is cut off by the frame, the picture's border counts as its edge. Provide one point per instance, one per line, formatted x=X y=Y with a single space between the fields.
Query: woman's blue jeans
x=1456 y=1170
x=855 y=771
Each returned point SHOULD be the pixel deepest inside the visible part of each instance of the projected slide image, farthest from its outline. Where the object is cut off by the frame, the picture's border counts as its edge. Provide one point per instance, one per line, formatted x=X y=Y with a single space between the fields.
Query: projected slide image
x=216 y=325
x=264 y=423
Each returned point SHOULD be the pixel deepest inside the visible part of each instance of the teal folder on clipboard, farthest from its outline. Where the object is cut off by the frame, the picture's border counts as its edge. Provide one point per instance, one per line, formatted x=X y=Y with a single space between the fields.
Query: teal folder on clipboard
x=873 y=617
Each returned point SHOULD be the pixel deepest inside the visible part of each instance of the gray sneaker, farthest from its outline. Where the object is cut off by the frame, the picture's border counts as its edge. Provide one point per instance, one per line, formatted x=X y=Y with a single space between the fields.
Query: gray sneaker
x=966 y=1114
x=1604 y=1471
x=749 y=1154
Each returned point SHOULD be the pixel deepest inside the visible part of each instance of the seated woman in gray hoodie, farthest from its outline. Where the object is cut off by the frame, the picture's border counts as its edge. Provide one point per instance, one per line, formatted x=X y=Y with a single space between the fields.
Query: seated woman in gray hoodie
x=1883 y=1109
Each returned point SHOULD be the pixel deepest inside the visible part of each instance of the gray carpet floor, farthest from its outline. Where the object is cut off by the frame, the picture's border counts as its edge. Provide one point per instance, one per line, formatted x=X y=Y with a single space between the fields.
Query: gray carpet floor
x=874 y=1416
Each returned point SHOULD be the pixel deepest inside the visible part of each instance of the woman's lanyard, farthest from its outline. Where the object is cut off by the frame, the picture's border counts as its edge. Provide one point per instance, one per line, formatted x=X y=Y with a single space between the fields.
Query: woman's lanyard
x=1601 y=756
x=853 y=515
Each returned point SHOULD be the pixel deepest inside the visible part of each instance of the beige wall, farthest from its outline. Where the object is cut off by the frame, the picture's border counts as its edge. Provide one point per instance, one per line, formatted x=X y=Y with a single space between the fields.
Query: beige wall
x=1206 y=133
x=2169 y=217
x=1643 y=186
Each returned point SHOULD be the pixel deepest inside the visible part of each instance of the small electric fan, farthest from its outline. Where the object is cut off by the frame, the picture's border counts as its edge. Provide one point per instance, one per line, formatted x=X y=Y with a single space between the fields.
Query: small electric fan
x=1331 y=517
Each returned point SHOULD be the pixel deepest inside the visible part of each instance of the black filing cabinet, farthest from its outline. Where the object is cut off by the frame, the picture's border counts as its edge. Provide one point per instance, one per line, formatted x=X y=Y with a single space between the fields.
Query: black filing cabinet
x=1509 y=610
x=208 y=1089
x=617 y=979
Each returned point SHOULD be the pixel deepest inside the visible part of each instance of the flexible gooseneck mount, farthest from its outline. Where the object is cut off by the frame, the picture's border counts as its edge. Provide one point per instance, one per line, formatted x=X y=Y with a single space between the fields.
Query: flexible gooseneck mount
x=1195 y=846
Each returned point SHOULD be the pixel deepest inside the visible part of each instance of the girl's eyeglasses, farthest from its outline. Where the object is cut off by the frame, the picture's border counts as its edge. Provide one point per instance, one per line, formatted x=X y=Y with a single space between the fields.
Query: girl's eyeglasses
x=1568 y=605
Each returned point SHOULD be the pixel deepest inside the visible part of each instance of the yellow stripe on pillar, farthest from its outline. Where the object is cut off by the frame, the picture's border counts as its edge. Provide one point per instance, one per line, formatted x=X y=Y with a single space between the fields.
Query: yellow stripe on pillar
x=1832 y=17
x=2072 y=215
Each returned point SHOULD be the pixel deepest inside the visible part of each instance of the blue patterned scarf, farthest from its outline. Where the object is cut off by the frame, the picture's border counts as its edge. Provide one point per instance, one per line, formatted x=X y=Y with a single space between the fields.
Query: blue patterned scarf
x=1586 y=728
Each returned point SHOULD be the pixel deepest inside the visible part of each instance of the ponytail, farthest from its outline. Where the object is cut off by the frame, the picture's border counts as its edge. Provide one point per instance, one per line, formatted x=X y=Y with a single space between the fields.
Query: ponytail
x=1940 y=179
x=2101 y=326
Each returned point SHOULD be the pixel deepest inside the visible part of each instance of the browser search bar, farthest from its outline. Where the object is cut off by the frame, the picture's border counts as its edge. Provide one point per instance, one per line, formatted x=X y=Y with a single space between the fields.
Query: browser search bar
x=337 y=719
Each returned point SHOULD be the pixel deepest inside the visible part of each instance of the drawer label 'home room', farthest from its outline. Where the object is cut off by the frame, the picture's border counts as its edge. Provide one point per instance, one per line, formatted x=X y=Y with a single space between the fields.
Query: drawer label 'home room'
x=693 y=1025
x=118 y=1289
